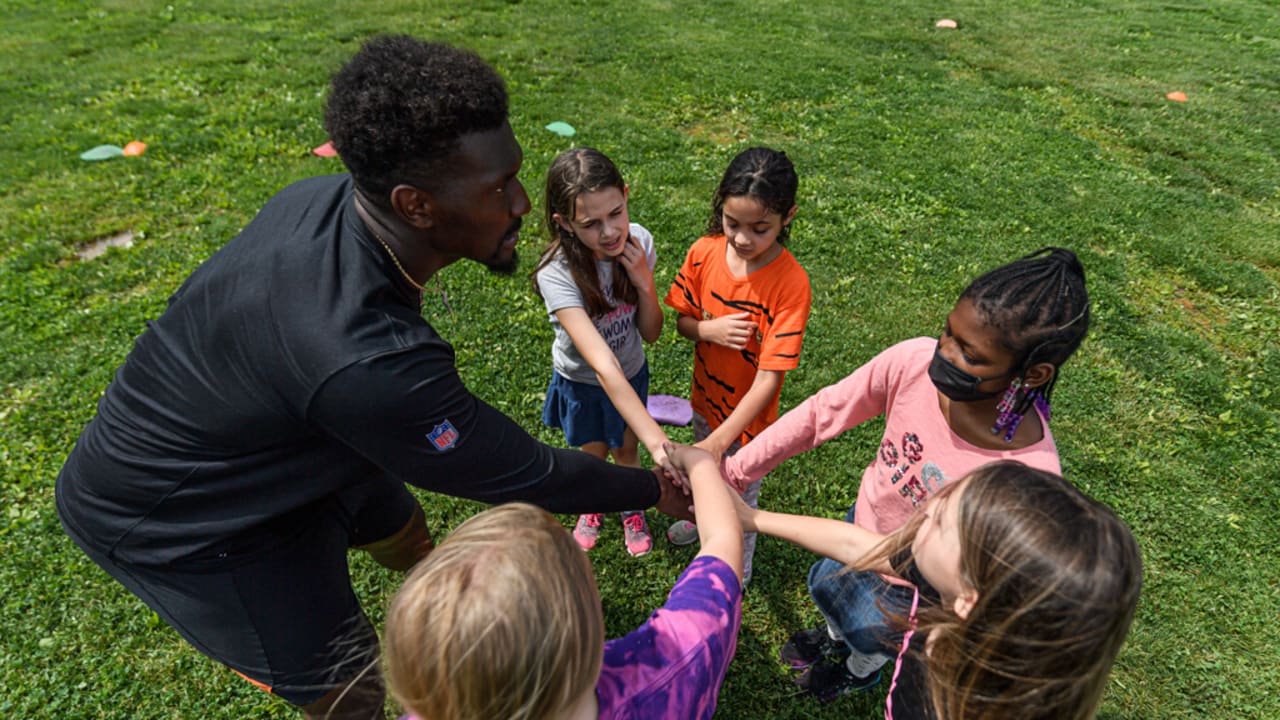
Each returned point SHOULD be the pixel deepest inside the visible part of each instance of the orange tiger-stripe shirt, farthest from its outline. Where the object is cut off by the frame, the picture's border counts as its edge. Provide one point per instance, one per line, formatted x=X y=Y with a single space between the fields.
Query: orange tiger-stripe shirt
x=778 y=298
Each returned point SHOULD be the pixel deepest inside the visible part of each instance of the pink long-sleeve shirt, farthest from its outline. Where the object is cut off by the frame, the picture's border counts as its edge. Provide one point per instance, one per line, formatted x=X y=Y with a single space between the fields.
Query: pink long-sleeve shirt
x=918 y=454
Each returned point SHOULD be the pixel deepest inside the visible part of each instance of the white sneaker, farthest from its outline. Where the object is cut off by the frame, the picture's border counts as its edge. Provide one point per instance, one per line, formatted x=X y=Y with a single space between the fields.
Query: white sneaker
x=682 y=532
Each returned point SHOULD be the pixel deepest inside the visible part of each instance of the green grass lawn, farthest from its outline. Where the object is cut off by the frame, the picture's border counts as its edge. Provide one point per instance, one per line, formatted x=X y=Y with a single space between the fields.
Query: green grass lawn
x=925 y=156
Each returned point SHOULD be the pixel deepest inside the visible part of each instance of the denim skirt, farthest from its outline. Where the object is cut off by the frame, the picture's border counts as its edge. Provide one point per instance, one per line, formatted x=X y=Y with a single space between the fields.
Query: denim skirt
x=585 y=413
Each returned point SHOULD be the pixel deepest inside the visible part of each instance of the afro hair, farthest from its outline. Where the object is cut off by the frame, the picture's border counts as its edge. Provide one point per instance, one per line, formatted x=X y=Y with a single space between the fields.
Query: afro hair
x=401 y=105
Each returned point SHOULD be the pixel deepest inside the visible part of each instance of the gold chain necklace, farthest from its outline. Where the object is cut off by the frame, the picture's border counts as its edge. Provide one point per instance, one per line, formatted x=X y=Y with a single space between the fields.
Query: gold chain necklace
x=405 y=273
x=396 y=260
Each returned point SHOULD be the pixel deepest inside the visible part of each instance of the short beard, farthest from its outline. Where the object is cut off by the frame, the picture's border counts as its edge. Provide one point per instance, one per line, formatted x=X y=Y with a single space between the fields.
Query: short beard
x=504 y=267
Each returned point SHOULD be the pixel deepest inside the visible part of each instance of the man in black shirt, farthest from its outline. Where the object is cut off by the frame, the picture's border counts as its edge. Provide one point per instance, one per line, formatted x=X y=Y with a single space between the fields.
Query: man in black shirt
x=268 y=420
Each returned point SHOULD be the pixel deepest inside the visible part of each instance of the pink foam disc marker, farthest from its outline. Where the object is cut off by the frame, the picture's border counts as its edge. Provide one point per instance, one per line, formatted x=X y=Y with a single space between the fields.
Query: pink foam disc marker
x=670 y=410
x=1177 y=96
x=326 y=150
x=946 y=23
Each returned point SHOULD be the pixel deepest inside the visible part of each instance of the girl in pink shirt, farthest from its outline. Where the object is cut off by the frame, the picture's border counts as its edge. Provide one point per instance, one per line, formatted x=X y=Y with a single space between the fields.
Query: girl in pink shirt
x=977 y=394
x=1024 y=591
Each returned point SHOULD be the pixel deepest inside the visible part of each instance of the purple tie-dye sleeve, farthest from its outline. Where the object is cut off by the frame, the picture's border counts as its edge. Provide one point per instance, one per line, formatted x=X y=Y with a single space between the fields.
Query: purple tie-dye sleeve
x=673 y=665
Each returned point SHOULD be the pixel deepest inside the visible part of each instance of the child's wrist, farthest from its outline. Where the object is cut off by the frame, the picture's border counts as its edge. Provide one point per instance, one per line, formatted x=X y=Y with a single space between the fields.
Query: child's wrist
x=716 y=444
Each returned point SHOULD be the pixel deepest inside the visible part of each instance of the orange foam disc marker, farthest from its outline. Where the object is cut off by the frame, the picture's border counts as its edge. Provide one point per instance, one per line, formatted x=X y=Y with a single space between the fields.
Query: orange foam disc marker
x=946 y=23
x=135 y=148
x=1177 y=96
x=326 y=150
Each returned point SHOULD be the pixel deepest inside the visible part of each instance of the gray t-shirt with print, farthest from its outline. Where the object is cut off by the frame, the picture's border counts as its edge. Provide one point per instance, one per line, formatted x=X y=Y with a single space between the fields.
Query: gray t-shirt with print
x=618 y=327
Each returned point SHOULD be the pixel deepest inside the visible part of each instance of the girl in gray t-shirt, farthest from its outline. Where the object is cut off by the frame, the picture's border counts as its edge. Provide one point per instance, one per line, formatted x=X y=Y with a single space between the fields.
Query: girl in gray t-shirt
x=596 y=277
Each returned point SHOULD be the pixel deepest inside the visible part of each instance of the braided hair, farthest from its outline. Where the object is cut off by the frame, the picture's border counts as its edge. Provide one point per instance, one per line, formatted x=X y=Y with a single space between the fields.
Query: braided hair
x=1039 y=305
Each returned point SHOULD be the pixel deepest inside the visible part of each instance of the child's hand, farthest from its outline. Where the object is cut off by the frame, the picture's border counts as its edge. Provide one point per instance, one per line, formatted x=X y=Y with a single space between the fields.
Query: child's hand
x=684 y=457
x=675 y=474
x=731 y=331
x=636 y=264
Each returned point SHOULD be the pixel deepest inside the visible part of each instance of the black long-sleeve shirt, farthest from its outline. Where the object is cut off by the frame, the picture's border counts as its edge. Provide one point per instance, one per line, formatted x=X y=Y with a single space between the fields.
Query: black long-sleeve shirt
x=292 y=363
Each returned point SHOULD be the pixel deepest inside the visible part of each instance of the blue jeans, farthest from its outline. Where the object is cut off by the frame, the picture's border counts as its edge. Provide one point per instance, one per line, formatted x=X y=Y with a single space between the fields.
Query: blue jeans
x=855 y=604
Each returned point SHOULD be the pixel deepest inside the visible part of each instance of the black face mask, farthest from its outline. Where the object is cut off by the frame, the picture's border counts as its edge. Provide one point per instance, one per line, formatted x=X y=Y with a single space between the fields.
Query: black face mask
x=957 y=384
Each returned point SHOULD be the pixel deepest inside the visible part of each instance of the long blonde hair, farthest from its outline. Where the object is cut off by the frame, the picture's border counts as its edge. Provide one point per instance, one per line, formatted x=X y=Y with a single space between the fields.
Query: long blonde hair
x=1057 y=576
x=502 y=620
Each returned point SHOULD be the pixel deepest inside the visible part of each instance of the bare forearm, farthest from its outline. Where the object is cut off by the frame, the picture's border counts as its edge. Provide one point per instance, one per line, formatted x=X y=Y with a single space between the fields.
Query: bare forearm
x=762 y=390
x=648 y=315
x=632 y=410
x=688 y=328
x=719 y=529
x=841 y=541
x=611 y=378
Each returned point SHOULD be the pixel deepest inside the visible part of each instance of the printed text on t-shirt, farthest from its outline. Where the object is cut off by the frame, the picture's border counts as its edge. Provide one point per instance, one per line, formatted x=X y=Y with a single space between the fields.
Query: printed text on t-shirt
x=917 y=485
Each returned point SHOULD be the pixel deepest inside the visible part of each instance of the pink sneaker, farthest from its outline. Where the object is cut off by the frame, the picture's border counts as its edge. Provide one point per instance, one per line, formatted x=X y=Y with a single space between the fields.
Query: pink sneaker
x=587 y=530
x=636 y=532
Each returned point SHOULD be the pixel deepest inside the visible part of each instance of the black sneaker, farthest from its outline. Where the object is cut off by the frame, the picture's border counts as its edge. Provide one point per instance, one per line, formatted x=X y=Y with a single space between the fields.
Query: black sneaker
x=809 y=646
x=828 y=680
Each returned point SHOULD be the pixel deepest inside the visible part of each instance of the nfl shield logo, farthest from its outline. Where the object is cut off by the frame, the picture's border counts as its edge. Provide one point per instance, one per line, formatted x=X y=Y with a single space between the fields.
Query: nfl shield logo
x=444 y=436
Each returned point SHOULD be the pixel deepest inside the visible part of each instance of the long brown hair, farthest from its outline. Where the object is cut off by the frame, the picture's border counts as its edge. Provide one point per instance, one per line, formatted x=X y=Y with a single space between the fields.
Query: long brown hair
x=502 y=620
x=573 y=173
x=1057 y=576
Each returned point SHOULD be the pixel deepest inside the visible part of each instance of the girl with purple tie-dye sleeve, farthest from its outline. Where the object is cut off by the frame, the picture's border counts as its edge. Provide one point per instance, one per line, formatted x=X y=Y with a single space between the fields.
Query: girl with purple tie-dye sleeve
x=503 y=620
x=673 y=665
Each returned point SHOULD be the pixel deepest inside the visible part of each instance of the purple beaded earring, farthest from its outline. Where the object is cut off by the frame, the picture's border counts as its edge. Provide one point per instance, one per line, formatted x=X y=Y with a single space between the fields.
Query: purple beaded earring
x=1009 y=418
x=1013 y=406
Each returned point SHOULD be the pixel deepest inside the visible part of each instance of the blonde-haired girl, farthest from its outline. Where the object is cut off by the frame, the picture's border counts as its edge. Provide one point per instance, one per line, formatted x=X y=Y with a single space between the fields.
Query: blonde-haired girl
x=503 y=620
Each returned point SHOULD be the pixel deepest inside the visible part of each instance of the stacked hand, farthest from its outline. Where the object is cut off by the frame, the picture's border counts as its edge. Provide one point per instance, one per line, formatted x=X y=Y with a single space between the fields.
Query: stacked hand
x=677 y=475
x=680 y=461
x=674 y=499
